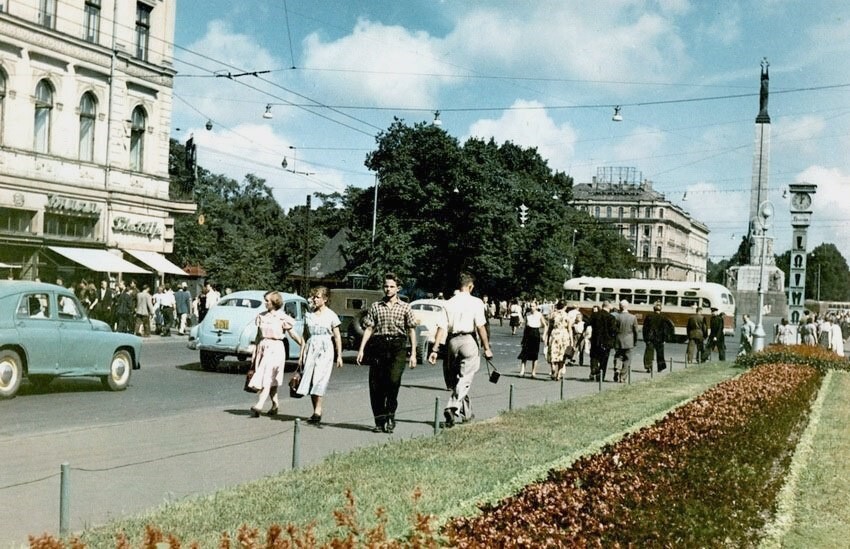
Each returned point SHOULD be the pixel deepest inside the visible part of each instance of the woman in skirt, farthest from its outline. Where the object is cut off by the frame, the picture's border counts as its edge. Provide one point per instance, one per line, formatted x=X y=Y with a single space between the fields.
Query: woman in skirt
x=323 y=350
x=534 y=333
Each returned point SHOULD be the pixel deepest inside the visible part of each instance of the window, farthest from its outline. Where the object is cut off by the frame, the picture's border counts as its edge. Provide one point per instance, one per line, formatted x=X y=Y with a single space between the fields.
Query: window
x=658 y=252
x=67 y=225
x=621 y=214
x=661 y=213
x=43 y=109
x=607 y=294
x=647 y=231
x=597 y=212
x=660 y=231
x=645 y=252
x=648 y=212
x=634 y=211
x=633 y=230
x=137 y=138
x=608 y=212
x=34 y=306
x=47 y=13
x=88 y=113
x=641 y=297
x=16 y=221
x=143 y=30
x=91 y=24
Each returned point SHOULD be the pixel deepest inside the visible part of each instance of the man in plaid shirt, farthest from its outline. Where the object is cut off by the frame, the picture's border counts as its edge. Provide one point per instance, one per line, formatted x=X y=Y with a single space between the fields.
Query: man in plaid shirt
x=389 y=325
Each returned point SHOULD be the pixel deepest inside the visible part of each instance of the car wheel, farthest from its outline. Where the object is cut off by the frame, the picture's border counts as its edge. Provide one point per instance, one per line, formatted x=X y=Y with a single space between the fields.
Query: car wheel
x=119 y=371
x=209 y=360
x=11 y=373
x=40 y=381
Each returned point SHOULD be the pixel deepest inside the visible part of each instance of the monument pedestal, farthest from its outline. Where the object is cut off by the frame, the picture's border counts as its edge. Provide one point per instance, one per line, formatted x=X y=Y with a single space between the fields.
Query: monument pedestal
x=744 y=282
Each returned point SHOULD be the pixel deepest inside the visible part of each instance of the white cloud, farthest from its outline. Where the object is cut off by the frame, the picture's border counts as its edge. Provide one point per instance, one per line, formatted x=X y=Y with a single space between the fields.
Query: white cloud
x=378 y=65
x=529 y=125
x=830 y=207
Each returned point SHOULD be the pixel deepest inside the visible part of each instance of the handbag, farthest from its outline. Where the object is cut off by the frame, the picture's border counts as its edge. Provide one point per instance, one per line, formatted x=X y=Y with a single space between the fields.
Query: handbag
x=494 y=375
x=294 y=382
x=569 y=353
x=252 y=369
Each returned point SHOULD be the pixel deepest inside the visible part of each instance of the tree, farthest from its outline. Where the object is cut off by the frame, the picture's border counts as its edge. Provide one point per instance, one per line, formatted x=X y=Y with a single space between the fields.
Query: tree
x=826 y=273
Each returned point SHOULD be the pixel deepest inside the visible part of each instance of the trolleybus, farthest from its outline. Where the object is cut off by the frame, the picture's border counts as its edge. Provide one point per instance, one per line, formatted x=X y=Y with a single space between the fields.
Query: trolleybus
x=678 y=298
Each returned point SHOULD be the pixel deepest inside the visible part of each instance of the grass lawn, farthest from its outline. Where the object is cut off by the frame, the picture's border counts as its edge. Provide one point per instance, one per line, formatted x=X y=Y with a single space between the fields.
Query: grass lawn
x=817 y=510
x=462 y=467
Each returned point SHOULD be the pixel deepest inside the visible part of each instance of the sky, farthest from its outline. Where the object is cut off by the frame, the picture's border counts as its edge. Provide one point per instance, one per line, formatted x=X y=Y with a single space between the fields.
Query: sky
x=543 y=74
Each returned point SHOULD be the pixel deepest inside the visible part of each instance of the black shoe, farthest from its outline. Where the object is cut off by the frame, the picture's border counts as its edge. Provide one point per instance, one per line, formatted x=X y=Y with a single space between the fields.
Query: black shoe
x=378 y=429
x=273 y=411
x=616 y=377
x=254 y=412
x=389 y=426
x=450 y=418
x=662 y=368
x=315 y=419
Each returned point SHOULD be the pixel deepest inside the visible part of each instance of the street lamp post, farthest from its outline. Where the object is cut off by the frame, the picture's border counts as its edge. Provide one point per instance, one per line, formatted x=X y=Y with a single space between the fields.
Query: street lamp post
x=758 y=333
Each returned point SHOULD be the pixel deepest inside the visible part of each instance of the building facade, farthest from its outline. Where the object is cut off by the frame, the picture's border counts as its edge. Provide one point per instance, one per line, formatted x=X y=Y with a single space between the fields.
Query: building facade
x=668 y=243
x=85 y=116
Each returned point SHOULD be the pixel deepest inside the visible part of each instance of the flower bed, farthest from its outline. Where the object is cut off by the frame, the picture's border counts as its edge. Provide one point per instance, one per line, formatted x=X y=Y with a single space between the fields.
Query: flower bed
x=706 y=475
x=818 y=357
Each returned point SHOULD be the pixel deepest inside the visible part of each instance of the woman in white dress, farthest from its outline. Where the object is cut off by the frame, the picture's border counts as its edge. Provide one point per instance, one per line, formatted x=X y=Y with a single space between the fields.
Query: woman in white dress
x=323 y=349
x=269 y=354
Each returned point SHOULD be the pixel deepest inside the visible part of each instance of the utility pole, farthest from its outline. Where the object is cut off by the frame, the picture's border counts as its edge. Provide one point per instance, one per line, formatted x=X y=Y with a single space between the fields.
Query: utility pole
x=305 y=287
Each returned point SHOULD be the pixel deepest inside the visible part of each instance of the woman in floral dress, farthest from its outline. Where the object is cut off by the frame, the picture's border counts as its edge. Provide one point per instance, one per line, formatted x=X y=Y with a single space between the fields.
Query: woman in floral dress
x=269 y=354
x=560 y=338
x=322 y=350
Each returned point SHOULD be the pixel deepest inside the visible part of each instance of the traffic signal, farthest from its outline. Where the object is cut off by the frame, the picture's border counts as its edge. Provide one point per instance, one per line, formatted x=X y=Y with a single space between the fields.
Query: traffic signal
x=523 y=214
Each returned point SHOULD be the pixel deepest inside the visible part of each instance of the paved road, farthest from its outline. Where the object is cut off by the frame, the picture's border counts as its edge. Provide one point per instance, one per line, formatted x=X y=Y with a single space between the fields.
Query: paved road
x=179 y=431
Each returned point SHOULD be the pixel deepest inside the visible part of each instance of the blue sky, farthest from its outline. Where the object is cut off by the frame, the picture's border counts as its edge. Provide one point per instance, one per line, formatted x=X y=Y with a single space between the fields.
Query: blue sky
x=542 y=74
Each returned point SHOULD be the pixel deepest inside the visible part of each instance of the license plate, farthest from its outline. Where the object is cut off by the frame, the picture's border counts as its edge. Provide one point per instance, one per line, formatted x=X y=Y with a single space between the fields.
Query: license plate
x=221 y=324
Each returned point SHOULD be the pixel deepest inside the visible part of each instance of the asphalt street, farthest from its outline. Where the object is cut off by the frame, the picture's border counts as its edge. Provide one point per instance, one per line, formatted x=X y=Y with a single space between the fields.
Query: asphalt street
x=179 y=431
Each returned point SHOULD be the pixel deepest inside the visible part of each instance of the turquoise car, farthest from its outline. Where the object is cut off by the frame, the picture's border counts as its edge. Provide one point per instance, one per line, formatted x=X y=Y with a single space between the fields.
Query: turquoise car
x=45 y=333
x=229 y=328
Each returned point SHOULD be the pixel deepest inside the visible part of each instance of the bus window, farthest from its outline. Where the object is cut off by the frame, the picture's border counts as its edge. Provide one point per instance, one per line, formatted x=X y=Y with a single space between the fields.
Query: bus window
x=572 y=295
x=590 y=294
x=655 y=295
x=640 y=297
x=689 y=301
x=689 y=293
x=607 y=294
x=671 y=297
x=626 y=294
x=706 y=303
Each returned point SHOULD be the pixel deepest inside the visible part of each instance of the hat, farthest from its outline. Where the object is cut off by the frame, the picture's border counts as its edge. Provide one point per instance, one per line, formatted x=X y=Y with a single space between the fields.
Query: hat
x=624 y=303
x=184 y=285
x=714 y=309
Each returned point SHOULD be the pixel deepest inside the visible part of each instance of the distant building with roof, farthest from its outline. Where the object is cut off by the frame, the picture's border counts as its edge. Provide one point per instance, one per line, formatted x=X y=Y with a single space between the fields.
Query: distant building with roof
x=669 y=244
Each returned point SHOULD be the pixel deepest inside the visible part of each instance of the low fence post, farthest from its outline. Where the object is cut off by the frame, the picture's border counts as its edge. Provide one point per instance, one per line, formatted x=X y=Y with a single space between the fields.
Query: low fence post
x=296 y=444
x=511 y=398
x=437 y=416
x=65 y=499
x=562 y=388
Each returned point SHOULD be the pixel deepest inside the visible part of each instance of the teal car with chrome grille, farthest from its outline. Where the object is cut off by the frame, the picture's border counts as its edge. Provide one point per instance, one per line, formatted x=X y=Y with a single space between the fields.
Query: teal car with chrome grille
x=45 y=333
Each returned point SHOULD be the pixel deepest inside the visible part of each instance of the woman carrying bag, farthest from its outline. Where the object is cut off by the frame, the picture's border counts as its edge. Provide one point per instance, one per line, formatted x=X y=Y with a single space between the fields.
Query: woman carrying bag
x=269 y=355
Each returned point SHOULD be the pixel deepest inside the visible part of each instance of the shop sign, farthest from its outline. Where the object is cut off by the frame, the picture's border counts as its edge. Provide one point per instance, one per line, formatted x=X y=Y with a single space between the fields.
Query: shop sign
x=150 y=229
x=71 y=205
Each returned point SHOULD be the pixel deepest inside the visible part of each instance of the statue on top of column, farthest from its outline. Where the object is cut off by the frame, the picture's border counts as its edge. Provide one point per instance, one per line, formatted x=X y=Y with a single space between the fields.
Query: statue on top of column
x=763 y=94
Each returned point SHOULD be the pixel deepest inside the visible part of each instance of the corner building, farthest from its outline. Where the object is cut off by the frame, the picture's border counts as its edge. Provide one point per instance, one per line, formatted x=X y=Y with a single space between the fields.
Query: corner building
x=85 y=113
x=668 y=243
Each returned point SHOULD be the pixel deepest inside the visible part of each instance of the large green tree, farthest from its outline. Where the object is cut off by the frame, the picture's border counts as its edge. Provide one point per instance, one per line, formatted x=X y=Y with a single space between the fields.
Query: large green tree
x=827 y=273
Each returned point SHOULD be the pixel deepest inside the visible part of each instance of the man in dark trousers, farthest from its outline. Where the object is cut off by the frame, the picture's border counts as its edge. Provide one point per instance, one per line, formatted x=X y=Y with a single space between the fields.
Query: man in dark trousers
x=603 y=335
x=697 y=331
x=626 y=341
x=716 y=337
x=391 y=326
x=657 y=329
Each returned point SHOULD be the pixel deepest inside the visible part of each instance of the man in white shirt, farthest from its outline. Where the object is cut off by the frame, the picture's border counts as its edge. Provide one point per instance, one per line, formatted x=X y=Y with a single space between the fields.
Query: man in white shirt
x=464 y=316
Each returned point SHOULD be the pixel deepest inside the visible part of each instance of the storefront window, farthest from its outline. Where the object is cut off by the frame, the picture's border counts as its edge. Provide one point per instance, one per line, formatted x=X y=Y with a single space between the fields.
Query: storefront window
x=16 y=221
x=66 y=225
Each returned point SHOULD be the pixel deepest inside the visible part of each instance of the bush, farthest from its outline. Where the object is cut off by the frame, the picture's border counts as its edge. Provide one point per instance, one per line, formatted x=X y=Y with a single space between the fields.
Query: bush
x=706 y=475
x=808 y=355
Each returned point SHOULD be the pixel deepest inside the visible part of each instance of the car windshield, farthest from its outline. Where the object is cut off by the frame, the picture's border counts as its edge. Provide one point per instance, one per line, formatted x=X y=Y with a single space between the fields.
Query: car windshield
x=426 y=307
x=240 y=302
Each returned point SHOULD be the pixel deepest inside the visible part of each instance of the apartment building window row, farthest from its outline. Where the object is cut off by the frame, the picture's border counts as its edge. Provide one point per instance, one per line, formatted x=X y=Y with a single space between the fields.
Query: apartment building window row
x=88 y=115
x=47 y=13
x=143 y=29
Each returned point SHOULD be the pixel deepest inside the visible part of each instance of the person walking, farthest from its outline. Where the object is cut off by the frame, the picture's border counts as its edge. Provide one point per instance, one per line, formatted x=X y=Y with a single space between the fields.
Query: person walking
x=391 y=328
x=464 y=317
x=696 y=335
x=561 y=344
x=321 y=352
x=533 y=334
x=268 y=355
x=785 y=333
x=627 y=337
x=166 y=309
x=144 y=310
x=748 y=327
x=602 y=339
x=716 y=337
x=125 y=310
x=657 y=329
x=183 y=306
x=514 y=316
x=101 y=307
x=578 y=340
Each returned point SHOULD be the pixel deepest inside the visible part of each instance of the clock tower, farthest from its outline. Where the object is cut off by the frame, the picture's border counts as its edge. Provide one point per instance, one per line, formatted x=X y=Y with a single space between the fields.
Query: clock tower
x=801 y=214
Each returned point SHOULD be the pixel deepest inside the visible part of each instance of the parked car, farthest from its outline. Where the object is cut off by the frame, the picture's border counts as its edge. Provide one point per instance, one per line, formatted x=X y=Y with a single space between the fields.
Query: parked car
x=229 y=326
x=427 y=312
x=45 y=333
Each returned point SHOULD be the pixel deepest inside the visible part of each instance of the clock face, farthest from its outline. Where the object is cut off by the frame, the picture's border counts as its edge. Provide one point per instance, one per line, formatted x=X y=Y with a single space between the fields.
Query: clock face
x=801 y=201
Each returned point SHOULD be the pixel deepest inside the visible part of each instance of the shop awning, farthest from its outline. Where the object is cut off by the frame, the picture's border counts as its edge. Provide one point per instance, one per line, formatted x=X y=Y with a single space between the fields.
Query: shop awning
x=157 y=262
x=99 y=261
x=7 y=266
